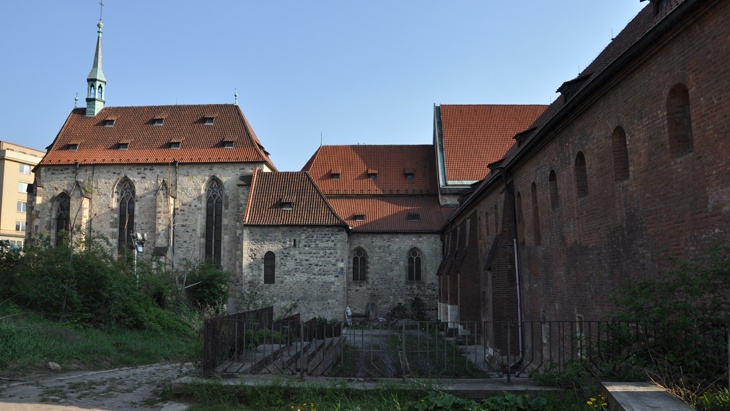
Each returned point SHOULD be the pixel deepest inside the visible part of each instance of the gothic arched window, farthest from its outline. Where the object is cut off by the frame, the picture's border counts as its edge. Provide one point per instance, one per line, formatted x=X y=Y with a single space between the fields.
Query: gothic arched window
x=126 y=213
x=359 y=265
x=269 y=268
x=63 y=218
x=213 y=220
x=414 y=265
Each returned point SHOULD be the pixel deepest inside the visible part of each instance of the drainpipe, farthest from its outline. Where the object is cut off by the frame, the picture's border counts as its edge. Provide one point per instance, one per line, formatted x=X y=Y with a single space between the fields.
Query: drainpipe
x=517 y=264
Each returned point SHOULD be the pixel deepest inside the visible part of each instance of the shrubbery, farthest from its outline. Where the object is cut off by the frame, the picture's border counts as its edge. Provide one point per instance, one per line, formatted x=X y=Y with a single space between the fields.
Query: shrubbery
x=91 y=286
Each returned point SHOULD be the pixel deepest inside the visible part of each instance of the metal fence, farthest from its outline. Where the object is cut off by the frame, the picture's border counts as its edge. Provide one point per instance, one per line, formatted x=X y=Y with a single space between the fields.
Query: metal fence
x=254 y=343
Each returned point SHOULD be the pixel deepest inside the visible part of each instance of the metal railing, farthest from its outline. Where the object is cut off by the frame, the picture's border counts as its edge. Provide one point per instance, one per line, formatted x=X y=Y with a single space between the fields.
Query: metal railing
x=254 y=343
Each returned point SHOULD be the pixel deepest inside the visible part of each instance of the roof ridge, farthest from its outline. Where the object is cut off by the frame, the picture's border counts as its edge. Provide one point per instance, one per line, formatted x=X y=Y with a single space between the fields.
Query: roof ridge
x=323 y=197
x=251 y=192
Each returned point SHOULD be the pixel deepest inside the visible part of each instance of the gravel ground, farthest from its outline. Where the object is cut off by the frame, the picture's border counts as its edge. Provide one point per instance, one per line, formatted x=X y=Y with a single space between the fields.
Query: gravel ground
x=121 y=389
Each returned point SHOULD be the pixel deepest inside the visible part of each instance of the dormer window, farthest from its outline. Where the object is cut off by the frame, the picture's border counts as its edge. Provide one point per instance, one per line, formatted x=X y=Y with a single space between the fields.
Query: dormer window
x=109 y=122
x=175 y=143
x=209 y=119
x=73 y=147
x=372 y=174
x=414 y=217
x=227 y=143
x=124 y=144
x=335 y=174
x=359 y=217
x=409 y=173
x=158 y=121
x=287 y=205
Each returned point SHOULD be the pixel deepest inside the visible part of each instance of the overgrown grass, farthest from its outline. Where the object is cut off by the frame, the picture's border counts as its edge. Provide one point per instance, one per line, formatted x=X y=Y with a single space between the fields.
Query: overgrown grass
x=28 y=341
x=284 y=395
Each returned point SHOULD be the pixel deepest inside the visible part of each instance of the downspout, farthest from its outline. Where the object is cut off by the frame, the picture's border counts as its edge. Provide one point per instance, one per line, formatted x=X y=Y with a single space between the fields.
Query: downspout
x=172 y=219
x=517 y=264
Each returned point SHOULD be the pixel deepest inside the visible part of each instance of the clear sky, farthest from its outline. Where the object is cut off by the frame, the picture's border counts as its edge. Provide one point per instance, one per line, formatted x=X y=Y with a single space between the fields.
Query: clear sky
x=345 y=72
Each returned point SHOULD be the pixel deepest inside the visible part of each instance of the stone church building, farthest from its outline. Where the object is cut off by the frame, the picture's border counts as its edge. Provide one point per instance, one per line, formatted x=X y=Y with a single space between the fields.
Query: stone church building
x=515 y=212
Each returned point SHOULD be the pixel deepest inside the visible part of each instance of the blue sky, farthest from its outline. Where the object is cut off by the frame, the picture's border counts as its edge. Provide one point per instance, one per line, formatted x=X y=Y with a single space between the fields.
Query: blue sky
x=345 y=72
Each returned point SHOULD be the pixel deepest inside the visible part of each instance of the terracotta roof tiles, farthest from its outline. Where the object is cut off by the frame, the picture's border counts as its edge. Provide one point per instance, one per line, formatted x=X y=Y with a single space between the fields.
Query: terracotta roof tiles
x=479 y=134
x=392 y=214
x=388 y=165
x=149 y=143
x=270 y=192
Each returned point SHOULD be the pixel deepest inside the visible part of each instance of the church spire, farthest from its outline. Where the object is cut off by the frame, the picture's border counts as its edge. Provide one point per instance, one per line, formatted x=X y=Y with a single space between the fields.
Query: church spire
x=96 y=81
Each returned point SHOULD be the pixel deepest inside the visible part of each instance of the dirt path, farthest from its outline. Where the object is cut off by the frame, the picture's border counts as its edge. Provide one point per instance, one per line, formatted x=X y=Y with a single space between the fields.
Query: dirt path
x=121 y=389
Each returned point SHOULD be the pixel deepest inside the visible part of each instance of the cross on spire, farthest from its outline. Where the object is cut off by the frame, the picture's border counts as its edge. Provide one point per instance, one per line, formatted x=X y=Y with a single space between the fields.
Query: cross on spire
x=101 y=5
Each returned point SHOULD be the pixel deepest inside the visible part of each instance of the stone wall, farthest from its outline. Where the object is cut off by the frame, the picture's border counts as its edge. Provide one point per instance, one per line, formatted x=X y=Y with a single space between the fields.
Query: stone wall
x=387 y=283
x=309 y=269
x=169 y=206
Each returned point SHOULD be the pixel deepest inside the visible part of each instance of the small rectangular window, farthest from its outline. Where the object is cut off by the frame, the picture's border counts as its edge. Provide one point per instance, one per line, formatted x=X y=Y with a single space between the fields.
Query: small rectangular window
x=409 y=173
x=372 y=174
x=20 y=226
x=228 y=144
x=22 y=187
x=109 y=122
x=24 y=168
x=22 y=206
x=73 y=147
x=208 y=121
x=124 y=146
x=287 y=205
x=294 y=243
x=175 y=145
x=359 y=217
x=414 y=217
x=159 y=121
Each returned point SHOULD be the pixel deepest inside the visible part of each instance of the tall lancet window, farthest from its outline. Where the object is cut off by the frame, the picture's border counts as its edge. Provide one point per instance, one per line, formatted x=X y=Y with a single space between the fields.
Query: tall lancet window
x=63 y=218
x=92 y=90
x=100 y=92
x=126 y=213
x=214 y=220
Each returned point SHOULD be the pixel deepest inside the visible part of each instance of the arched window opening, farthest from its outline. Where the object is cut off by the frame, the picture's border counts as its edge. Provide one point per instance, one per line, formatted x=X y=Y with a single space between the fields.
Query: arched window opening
x=620 y=152
x=63 y=218
x=581 y=176
x=269 y=268
x=213 y=220
x=126 y=214
x=92 y=90
x=679 y=121
x=535 y=214
x=554 y=198
x=100 y=92
x=414 y=265
x=359 y=265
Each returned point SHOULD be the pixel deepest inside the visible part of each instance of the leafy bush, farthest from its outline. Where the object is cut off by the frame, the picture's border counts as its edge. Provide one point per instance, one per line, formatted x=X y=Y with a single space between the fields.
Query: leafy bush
x=685 y=313
x=207 y=286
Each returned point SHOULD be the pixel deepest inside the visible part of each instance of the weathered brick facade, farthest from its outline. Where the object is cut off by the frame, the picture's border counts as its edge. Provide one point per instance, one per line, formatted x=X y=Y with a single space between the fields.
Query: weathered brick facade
x=628 y=166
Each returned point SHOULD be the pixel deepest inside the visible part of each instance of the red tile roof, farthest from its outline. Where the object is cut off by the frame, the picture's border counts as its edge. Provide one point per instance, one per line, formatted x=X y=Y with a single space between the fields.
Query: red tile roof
x=148 y=143
x=476 y=135
x=308 y=205
x=391 y=163
x=391 y=214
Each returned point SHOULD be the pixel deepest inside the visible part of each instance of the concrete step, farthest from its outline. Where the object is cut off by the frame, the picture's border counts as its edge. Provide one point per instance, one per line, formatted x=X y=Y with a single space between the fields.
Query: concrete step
x=641 y=396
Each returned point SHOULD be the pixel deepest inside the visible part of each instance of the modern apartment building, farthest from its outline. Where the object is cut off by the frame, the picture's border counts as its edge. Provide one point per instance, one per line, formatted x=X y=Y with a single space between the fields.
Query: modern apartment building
x=16 y=173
